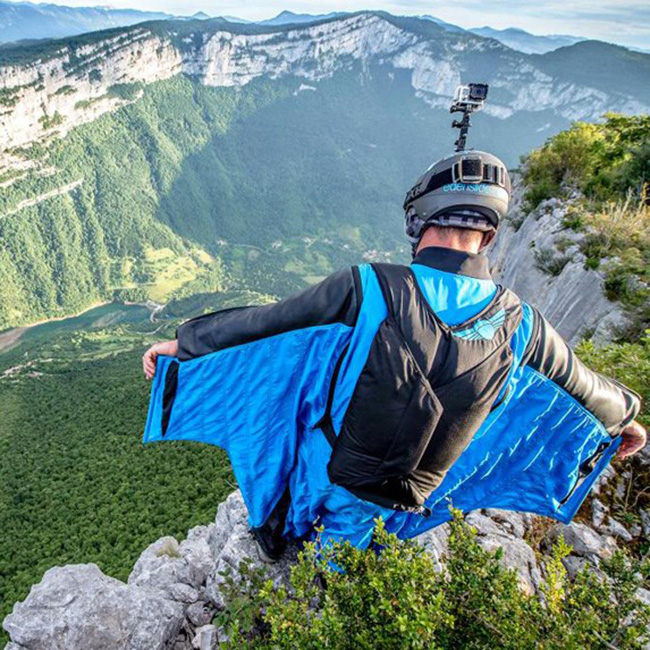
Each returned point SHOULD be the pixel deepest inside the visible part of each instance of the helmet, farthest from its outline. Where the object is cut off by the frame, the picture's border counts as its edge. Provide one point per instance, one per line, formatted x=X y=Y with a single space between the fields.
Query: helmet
x=469 y=189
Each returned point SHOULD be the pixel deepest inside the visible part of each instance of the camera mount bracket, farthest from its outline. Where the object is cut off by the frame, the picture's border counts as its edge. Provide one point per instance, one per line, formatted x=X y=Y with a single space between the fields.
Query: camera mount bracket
x=467 y=100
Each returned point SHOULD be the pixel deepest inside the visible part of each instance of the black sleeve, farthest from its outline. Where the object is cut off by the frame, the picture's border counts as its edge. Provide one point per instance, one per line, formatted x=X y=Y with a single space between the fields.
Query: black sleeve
x=611 y=402
x=334 y=300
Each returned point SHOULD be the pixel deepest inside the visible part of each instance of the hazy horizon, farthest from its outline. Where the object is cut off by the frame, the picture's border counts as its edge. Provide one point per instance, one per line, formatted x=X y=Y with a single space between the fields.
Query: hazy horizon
x=620 y=21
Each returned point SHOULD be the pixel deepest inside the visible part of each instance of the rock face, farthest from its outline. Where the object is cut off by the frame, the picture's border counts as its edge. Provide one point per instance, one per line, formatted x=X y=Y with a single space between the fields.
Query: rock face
x=67 y=89
x=539 y=258
x=65 y=85
x=174 y=590
x=77 y=606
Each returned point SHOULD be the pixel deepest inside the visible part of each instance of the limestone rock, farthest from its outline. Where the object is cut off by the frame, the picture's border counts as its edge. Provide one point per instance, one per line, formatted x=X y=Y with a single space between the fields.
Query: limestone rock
x=206 y=638
x=75 y=87
x=571 y=296
x=616 y=528
x=574 y=565
x=599 y=512
x=514 y=523
x=231 y=544
x=645 y=522
x=643 y=595
x=177 y=570
x=436 y=542
x=607 y=475
x=584 y=541
x=77 y=607
x=199 y=613
x=517 y=554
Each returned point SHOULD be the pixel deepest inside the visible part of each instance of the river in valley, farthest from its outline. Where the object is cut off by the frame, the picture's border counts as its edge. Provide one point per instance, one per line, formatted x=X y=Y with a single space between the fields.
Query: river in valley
x=106 y=315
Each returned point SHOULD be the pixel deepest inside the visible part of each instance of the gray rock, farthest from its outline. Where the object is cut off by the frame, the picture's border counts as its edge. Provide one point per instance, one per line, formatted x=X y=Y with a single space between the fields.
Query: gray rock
x=177 y=570
x=206 y=638
x=436 y=542
x=643 y=595
x=607 y=475
x=574 y=565
x=77 y=607
x=514 y=523
x=231 y=544
x=517 y=554
x=617 y=529
x=645 y=521
x=584 y=541
x=183 y=593
x=574 y=300
x=599 y=512
x=200 y=613
x=483 y=524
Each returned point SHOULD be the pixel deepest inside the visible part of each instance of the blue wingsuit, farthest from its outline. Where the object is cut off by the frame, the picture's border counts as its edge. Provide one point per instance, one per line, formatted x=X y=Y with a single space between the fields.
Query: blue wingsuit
x=257 y=381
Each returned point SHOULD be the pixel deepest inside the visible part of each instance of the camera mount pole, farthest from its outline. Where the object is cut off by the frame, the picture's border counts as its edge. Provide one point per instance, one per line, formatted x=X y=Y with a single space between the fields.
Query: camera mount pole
x=463 y=125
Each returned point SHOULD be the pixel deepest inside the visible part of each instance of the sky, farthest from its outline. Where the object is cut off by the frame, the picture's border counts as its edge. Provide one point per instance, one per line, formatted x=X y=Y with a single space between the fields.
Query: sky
x=621 y=21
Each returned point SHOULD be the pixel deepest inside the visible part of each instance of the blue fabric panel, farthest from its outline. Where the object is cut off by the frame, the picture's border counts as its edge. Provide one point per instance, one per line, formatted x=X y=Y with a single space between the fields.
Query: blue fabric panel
x=454 y=298
x=253 y=400
x=314 y=498
x=311 y=490
x=260 y=401
x=518 y=344
x=527 y=458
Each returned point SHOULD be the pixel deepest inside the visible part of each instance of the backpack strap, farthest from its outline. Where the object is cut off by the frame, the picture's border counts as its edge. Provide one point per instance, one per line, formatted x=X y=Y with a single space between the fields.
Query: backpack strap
x=385 y=289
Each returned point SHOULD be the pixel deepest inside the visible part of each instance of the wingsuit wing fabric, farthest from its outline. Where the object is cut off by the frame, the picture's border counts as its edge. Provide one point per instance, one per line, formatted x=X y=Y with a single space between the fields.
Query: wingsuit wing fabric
x=262 y=398
x=252 y=400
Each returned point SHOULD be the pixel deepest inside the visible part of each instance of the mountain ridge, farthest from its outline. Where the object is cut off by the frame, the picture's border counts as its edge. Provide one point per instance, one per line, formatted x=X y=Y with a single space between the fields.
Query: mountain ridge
x=219 y=53
x=322 y=116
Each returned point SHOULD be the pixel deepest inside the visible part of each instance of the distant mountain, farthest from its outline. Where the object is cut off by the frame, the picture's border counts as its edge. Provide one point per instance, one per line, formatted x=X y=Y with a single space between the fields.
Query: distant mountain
x=606 y=67
x=26 y=20
x=523 y=41
x=290 y=18
x=445 y=25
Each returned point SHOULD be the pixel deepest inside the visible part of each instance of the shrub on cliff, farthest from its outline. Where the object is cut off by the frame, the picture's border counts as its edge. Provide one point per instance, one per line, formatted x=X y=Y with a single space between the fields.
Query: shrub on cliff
x=605 y=161
x=397 y=598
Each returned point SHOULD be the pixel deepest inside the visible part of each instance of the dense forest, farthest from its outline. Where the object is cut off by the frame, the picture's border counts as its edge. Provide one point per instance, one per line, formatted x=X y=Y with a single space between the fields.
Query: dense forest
x=77 y=484
x=145 y=202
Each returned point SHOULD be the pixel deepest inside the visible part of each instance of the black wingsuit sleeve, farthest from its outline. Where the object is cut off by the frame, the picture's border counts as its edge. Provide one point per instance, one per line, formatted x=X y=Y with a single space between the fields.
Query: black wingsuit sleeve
x=334 y=300
x=611 y=402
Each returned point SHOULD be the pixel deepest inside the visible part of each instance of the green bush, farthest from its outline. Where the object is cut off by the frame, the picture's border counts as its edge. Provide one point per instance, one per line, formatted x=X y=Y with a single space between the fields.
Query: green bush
x=399 y=599
x=50 y=121
x=605 y=161
x=549 y=261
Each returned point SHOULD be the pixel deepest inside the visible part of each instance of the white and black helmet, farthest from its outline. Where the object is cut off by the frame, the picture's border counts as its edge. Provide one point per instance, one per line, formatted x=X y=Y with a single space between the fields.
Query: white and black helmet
x=469 y=189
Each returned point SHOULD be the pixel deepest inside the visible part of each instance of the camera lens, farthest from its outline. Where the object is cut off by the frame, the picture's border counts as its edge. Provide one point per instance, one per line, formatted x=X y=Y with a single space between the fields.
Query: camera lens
x=478 y=92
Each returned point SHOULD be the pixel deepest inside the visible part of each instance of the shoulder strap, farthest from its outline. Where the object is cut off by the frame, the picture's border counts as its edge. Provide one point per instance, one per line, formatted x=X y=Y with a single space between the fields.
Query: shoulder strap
x=388 y=288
